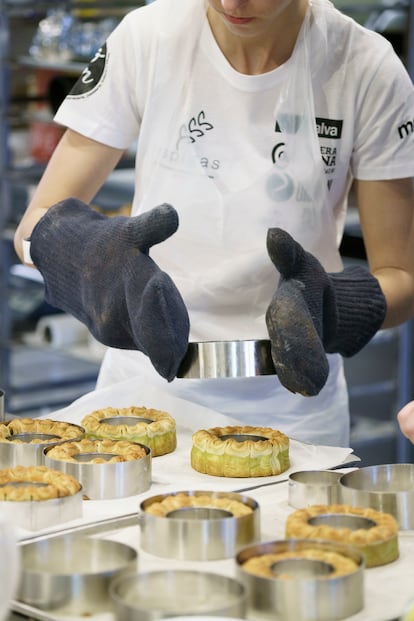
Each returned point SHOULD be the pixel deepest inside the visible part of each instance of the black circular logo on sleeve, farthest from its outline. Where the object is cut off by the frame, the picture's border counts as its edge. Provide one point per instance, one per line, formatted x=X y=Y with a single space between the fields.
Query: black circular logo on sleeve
x=92 y=75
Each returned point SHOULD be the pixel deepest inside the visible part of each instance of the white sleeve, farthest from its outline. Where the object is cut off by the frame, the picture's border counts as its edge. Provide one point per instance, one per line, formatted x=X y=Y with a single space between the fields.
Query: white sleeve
x=384 y=138
x=104 y=104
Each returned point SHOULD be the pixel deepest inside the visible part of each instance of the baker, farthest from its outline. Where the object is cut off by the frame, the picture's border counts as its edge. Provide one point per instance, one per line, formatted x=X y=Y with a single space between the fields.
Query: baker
x=252 y=119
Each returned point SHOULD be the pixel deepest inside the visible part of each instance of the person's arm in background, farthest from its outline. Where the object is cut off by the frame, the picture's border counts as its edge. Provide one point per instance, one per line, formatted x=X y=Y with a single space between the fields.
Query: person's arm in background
x=78 y=168
x=405 y=419
x=98 y=268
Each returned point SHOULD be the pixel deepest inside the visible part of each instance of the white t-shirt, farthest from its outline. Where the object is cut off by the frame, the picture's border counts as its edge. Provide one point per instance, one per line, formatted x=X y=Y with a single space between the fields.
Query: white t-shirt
x=161 y=78
x=363 y=106
x=364 y=110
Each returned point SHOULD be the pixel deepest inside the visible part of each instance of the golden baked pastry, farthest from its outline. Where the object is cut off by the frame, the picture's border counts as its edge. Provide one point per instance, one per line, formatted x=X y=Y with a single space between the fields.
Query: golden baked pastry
x=159 y=434
x=36 y=483
x=263 y=565
x=182 y=500
x=58 y=430
x=213 y=454
x=378 y=543
x=122 y=450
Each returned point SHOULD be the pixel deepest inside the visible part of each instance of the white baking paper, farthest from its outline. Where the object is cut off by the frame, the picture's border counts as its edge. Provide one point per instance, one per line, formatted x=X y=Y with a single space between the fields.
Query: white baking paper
x=173 y=472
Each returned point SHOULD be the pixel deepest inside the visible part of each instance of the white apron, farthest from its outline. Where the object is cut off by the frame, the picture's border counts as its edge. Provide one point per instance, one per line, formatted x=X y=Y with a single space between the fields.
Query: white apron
x=218 y=256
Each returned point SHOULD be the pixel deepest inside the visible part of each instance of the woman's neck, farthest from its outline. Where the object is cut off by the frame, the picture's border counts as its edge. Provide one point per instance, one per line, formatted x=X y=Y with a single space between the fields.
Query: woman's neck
x=270 y=49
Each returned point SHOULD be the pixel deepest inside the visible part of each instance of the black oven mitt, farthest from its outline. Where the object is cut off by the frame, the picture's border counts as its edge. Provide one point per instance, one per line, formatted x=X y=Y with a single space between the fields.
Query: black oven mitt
x=98 y=269
x=314 y=312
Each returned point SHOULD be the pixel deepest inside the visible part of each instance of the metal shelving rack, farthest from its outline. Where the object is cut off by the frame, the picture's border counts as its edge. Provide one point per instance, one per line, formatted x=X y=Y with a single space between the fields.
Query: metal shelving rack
x=5 y=194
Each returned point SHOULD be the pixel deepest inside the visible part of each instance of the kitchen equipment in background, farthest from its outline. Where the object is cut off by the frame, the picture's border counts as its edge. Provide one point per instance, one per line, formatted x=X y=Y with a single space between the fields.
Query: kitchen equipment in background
x=60 y=330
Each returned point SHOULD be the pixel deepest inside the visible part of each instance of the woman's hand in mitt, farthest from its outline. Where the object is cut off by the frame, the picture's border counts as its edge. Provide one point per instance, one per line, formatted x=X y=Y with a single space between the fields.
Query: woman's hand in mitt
x=314 y=312
x=98 y=269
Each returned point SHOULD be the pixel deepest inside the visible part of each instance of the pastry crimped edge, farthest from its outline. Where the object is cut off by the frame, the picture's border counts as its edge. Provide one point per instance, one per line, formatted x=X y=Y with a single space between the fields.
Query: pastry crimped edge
x=159 y=435
x=61 y=429
x=181 y=500
x=378 y=544
x=56 y=484
x=261 y=565
x=122 y=450
x=230 y=458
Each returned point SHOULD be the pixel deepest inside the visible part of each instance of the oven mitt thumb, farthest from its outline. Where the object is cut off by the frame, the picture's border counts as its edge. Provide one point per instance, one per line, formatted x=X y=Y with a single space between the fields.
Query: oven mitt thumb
x=314 y=312
x=98 y=269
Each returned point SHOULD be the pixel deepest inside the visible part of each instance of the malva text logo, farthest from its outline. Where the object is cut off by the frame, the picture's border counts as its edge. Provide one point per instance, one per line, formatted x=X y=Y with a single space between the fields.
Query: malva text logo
x=328 y=128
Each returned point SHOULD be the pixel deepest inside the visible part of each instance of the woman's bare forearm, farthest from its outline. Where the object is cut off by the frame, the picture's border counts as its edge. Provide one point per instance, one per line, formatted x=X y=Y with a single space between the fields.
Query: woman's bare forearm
x=78 y=168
